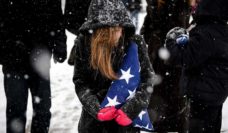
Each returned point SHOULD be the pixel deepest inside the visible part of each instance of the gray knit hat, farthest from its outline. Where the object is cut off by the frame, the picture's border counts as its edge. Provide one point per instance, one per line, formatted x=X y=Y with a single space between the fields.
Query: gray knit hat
x=104 y=13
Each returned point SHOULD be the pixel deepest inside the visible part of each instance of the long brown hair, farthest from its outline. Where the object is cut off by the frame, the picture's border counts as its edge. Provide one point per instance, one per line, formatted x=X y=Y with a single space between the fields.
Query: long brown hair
x=102 y=43
x=160 y=3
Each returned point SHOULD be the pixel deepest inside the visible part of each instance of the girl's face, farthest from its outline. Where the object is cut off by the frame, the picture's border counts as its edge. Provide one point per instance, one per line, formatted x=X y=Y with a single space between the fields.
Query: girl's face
x=117 y=33
x=194 y=2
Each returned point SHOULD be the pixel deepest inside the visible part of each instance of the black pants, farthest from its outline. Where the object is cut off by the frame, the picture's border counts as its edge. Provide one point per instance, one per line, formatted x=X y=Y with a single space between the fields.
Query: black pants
x=16 y=90
x=205 y=118
x=34 y=75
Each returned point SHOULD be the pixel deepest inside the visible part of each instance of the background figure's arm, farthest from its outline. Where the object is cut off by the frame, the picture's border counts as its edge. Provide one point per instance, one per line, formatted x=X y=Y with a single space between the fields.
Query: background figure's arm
x=194 y=53
x=58 y=32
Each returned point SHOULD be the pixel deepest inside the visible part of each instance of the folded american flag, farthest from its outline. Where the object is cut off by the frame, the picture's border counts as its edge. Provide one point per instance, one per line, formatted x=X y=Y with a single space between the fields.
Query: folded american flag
x=125 y=87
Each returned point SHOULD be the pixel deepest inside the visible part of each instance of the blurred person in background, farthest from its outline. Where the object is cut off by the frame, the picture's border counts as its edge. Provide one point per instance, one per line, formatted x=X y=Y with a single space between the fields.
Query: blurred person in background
x=134 y=7
x=31 y=32
x=75 y=15
x=203 y=56
x=167 y=107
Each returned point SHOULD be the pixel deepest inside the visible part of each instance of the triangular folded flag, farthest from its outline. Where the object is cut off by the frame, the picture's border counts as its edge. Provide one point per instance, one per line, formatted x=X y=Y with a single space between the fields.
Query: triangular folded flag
x=126 y=85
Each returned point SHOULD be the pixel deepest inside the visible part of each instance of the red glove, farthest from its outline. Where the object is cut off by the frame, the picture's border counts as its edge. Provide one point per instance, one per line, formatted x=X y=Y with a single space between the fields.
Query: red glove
x=122 y=119
x=107 y=113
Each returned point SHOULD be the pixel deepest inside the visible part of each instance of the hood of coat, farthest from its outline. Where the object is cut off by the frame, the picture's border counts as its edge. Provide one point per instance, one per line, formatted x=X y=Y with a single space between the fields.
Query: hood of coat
x=217 y=9
x=107 y=13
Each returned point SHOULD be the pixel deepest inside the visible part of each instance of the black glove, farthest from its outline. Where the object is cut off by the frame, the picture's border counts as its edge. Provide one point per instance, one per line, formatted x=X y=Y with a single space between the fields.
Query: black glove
x=60 y=51
x=71 y=59
x=175 y=32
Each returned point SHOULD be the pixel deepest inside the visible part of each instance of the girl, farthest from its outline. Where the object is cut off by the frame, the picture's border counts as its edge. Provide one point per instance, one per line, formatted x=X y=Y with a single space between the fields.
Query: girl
x=99 y=52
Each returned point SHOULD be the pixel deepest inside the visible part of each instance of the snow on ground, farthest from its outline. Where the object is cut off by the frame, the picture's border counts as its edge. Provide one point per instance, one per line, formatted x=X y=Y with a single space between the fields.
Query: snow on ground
x=2 y=105
x=225 y=117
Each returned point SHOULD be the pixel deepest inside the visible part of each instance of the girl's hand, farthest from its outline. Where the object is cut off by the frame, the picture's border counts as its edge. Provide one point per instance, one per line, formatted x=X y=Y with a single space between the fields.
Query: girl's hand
x=107 y=113
x=122 y=119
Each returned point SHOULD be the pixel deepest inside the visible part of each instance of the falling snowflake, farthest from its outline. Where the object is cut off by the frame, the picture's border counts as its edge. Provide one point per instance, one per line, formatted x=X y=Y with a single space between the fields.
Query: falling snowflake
x=163 y=53
x=37 y=99
x=26 y=76
x=91 y=31
x=16 y=126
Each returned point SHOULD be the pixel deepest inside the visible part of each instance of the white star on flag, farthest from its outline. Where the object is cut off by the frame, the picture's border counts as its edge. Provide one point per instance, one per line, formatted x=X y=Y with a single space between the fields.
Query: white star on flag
x=136 y=125
x=112 y=102
x=147 y=126
x=131 y=94
x=126 y=75
x=141 y=114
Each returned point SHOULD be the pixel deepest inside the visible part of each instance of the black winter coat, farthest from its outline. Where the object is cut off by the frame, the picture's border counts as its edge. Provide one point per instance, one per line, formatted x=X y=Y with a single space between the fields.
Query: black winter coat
x=26 y=24
x=75 y=14
x=91 y=87
x=214 y=9
x=166 y=101
x=204 y=61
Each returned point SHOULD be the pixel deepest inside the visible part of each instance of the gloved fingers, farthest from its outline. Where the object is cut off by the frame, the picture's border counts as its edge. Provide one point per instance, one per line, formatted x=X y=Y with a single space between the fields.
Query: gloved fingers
x=175 y=32
x=59 y=56
x=107 y=114
x=122 y=119
x=171 y=33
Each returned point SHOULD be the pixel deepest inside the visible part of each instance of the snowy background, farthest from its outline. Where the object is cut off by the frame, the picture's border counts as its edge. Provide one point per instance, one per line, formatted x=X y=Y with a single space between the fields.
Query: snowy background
x=66 y=107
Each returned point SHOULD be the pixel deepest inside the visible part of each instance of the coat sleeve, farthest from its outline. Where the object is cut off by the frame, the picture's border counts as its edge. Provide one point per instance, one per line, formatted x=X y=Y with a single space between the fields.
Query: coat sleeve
x=58 y=32
x=85 y=94
x=141 y=99
x=72 y=55
x=195 y=53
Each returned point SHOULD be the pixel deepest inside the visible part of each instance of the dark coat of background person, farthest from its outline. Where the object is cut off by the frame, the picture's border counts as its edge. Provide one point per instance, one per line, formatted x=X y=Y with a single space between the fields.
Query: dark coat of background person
x=75 y=15
x=91 y=87
x=204 y=62
x=166 y=103
x=132 y=5
x=26 y=21
x=30 y=29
